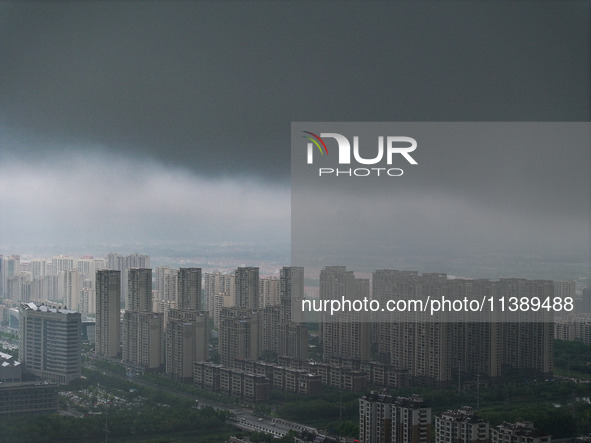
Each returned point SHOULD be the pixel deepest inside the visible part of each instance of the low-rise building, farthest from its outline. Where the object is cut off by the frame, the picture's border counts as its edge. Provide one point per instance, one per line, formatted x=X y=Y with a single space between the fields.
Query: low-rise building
x=461 y=426
x=248 y=386
x=28 y=398
x=519 y=432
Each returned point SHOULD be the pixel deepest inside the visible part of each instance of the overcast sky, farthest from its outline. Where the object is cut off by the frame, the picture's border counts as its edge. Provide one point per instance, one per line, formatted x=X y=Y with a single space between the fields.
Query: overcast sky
x=129 y=122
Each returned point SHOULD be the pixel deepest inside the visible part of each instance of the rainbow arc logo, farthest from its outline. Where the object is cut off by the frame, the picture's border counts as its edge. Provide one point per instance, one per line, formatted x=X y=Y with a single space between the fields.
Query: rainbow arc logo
x=315 y=140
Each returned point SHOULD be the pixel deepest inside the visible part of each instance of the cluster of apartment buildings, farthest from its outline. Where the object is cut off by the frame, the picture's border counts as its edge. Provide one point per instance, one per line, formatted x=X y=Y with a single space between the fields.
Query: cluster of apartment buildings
x=149 y=340
x=67 y=280
x=165 y=327
x=435 y=351
x=263 y=377
x=384 y=418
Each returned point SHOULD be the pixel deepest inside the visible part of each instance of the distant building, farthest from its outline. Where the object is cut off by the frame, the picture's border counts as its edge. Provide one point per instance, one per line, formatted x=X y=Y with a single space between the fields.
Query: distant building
x=217 y=302
x=344 y=334
x=269 y=292
x=461 y=426
x=564 y=288
x=70 y=289
x=293 y=335
x=9 y=267
x=87 y=303
x=437 y=351
x=247 y=288
x=520 y=432
x=189 y=289
x=573 y=327
x=50 y=342
x=18 y=287
x=117 y=262
x=166 y=283
x=270 y=328
x=61 y=263
x=387 y=419
x=218 y=285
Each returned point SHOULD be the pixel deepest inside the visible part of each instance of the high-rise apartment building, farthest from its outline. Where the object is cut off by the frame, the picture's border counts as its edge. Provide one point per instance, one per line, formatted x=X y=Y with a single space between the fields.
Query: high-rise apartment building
x=166 y=283
x=139 y=290
x=61 y=263
x=18 y=287
x=442 y=350
x=143 y=330
x=87 y=304
x=240 y=328
x=143 y=340
x=215 y=284
x=270 y=328
x=218 y=292
x=387 y=419
x=87 y=267
x=217 y=303
x=108 y=324
x=123 y=263
x=189 y=289
x=187 y=337
x=50 y=342
x=9 y=267
x=70 y=289
x=565 y=288
x=247 y=288
x=293 y=335
x=269 y=288
x=344 y=334
x=38 y=268
x=187 y=341
x=293 y=340
x=239 y=335
x=291 y=290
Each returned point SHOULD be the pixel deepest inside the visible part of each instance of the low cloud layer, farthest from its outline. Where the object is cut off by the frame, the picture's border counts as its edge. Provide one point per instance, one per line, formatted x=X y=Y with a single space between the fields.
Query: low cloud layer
x=95 y=198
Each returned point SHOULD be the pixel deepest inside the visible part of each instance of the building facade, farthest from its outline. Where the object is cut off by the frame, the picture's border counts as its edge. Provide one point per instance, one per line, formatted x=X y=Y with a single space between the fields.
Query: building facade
x=247 y=287
x=461 y=426
x=344 y=334
x=108 y=318
x=519 y=432
x=187 y=341
x=50 y=342
x=387 y=419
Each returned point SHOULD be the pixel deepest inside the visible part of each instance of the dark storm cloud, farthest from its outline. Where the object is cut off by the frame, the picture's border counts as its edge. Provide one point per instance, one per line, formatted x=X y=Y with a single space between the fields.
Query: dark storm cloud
x=213 y=86
x=518 y=189
x=170 y=121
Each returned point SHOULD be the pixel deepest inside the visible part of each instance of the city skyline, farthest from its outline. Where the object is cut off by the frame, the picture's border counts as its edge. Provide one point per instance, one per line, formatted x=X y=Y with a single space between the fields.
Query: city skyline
x=151 y=190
